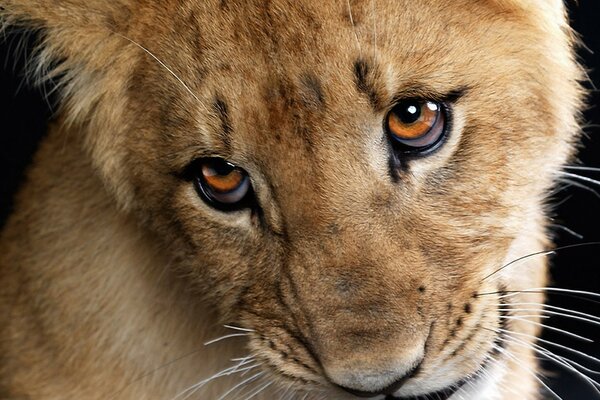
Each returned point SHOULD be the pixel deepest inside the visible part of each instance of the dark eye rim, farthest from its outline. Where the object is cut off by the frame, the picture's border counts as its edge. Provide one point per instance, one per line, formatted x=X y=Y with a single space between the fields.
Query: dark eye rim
x=408 y=151
x=200 y=184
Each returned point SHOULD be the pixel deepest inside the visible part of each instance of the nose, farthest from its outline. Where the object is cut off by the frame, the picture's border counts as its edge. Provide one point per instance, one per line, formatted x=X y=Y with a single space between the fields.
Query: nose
x=388 y=390
x=374 y=383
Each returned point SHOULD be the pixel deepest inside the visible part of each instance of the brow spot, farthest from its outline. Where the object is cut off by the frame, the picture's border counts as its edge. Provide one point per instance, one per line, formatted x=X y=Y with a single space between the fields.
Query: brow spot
x=312 y=93
x=365 y=75
x=222 y=110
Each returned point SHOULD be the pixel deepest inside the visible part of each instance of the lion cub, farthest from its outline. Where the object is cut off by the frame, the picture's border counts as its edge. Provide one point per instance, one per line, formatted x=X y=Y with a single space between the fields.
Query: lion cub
x=287 y=199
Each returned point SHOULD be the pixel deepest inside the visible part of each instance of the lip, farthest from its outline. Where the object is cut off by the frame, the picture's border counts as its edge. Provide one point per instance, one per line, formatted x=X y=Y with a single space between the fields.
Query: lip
x=446 y=393
x=443 y=394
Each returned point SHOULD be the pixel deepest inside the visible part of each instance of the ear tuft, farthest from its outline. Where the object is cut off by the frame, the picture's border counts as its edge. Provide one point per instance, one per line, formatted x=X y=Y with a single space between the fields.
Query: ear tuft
x=82 y=57
x=554 y=8
x=77 y=51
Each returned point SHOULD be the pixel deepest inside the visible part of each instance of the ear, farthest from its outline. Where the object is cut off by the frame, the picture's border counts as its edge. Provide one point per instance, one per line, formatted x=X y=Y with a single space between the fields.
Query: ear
x=77 y=42
x=555 y=10
x=85 y=58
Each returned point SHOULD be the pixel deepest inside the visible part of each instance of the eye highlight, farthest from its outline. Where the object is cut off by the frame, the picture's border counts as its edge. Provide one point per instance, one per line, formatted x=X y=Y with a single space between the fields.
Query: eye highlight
x=416 y=125
x=222 y=184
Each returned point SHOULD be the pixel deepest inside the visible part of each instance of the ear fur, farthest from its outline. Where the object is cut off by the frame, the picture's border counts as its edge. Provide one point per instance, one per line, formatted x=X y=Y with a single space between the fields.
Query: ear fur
x=554 y=10
x=77 y=41
x=88 y=65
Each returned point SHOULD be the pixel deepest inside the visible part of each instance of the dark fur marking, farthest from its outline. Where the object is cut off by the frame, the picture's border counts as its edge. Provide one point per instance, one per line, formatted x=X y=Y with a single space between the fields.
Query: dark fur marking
x=297 y=334
x=502 y=320
x=314 y=90
x=467 y=340
x=285 y=355
x=468 y=308
x=221 y=108
x=363 y=78
x=394 y=166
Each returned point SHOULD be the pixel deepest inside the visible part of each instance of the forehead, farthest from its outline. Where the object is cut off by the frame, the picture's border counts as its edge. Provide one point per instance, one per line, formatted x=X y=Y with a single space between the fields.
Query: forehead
x=270 y=36
x=256 y=60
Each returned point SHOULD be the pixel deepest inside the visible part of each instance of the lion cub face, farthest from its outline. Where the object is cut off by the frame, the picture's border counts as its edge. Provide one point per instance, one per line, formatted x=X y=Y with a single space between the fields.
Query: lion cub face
x=342 y=179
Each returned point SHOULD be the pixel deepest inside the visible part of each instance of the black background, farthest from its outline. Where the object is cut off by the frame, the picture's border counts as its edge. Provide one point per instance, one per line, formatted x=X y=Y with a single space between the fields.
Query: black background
x=24 y=113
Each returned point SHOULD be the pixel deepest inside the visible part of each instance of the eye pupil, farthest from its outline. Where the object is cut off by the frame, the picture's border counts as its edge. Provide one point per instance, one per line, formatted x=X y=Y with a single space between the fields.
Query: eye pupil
x=410 y=114
x=221 y=168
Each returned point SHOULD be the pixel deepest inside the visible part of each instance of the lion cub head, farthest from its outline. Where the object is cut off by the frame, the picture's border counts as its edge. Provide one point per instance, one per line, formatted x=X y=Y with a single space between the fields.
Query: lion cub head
x=344 y=179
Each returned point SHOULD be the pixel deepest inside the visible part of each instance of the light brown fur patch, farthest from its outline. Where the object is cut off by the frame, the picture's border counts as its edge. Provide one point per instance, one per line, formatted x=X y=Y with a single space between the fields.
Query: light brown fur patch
x=114 y=272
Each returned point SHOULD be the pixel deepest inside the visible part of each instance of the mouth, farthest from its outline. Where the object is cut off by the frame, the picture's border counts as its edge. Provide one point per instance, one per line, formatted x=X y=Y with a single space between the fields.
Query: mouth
x=443 y=394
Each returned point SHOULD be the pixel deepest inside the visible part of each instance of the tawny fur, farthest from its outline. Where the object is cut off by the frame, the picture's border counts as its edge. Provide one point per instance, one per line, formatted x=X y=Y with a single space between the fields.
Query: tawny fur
x=114 y=272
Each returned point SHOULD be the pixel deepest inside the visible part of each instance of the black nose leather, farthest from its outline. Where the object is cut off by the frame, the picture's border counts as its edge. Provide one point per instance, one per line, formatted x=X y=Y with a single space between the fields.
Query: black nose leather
x=388 y=390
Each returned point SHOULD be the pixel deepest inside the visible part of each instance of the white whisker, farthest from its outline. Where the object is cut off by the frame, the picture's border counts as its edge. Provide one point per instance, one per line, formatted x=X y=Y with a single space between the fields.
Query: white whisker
x=551 y=328
x=262 y=388
x=164 y=65
x=566 y=229
x=227 y=371
x=580 y=186
x=581 y=178
x=544 y=307
x=560 y=346
x=237 y=328
x=540 y=253
x=562 y=361
x=582 y=168
x=528 y=370
x=556 y=313
x=231 y=335
x=354 y=26
x=549 y=290
x=242 y=383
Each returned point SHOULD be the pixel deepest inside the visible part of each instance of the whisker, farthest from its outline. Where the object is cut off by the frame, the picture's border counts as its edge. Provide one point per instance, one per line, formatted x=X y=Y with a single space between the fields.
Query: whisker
x=580 y=186
x=242 y=359
x=528 y=370
x=262 y=388
x=560 y=360
x=541 y=253
x=374 y=3
x=582 y=168
x=551 y=290
x=231 y=335
x=511 y=293
x=164 y=65
x=242 y=383
x=557 y=345
x=568 y=231
x=549 y=327
x=556 y=313
x=237 y=328
x=354 y=26
x=554 y=308
x=580 y=177
x=195 y=387
x=152 y=372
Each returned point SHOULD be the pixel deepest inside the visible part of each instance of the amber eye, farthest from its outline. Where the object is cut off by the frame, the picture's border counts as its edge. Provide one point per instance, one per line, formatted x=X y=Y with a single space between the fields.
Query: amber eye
x=222 y=184
x=416 y=125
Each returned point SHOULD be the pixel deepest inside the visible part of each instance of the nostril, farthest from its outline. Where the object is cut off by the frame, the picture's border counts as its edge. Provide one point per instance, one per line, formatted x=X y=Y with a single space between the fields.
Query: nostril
x=388 y=390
